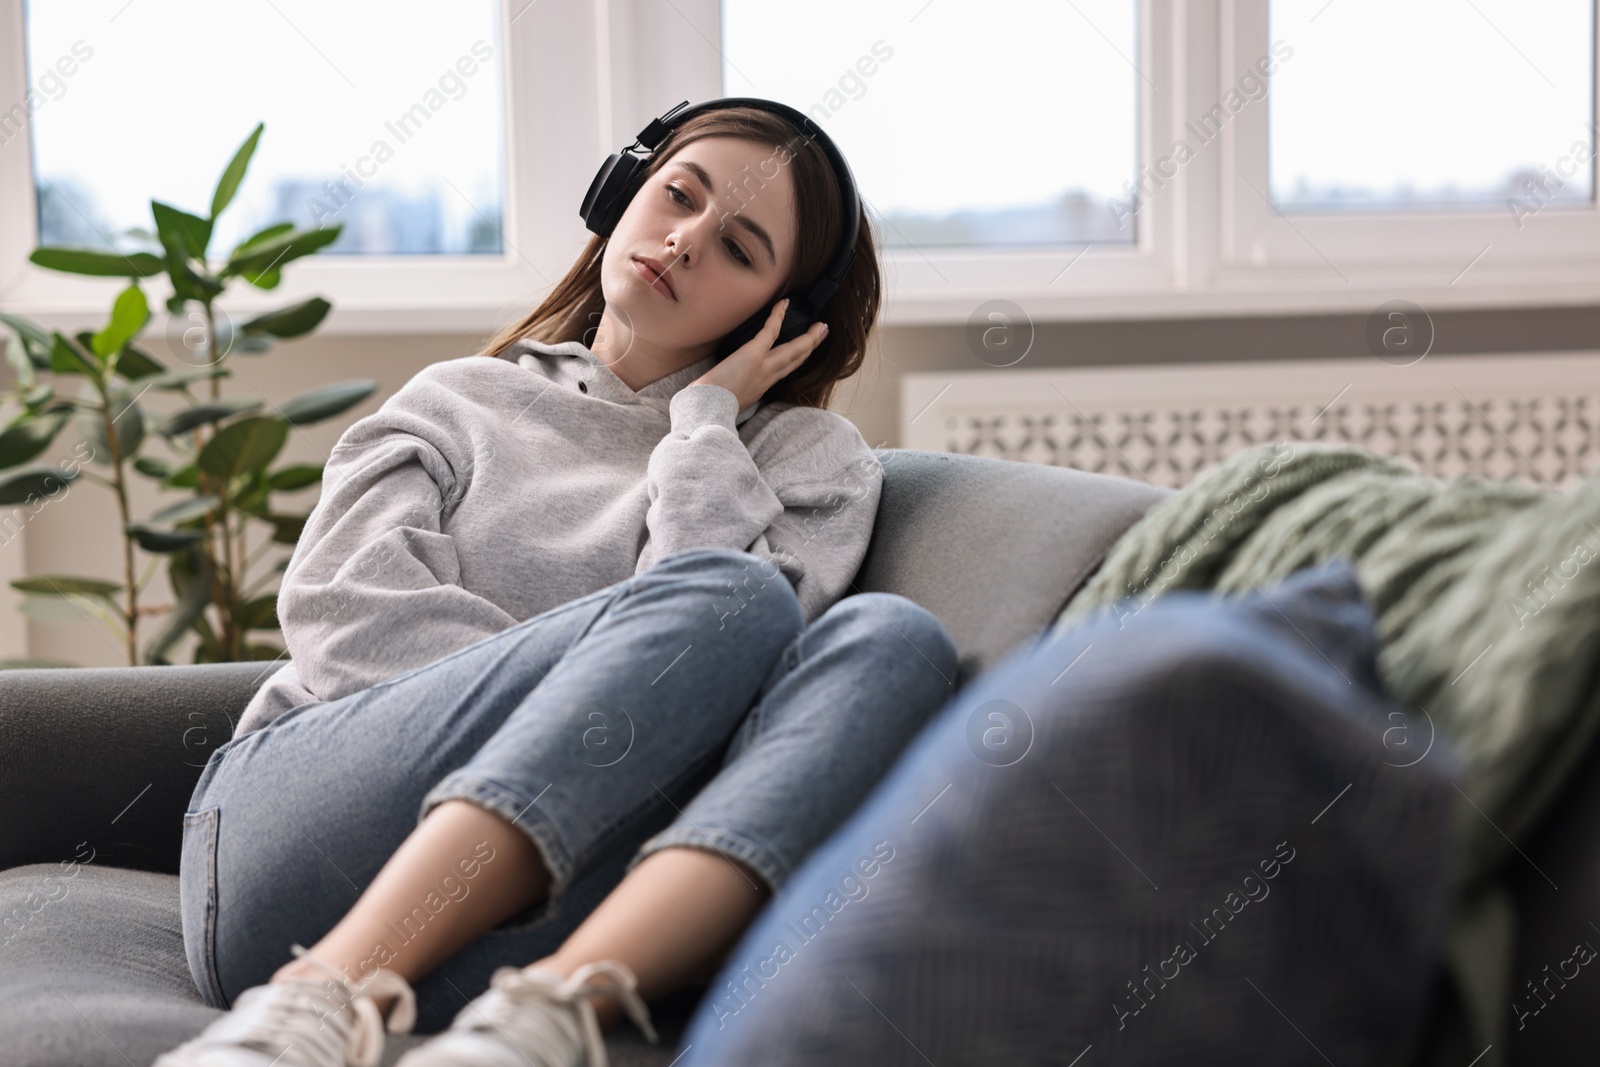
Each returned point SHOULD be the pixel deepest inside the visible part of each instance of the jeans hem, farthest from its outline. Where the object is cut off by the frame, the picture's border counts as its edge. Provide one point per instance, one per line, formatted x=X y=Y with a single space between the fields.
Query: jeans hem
x=516 y=810
x=720 y=842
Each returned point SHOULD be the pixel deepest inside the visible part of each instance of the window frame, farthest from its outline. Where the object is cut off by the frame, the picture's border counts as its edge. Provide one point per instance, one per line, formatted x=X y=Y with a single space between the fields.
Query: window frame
x=1454 y=258
x=375 y=294
x=581 y=78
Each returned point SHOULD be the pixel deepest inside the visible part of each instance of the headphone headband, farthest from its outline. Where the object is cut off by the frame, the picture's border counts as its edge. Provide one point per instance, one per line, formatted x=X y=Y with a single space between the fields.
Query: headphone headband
x=623 y=172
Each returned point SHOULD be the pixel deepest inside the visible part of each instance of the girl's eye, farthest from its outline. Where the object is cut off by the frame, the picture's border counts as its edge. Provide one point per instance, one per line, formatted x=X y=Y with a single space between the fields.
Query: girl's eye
x=733 y=249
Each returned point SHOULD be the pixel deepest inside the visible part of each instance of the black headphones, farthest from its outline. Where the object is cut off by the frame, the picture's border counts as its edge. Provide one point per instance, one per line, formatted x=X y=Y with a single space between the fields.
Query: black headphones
x=623 y=172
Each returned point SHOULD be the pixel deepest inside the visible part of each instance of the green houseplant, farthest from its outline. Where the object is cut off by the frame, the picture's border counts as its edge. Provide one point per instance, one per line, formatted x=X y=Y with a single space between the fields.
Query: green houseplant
x=222 y=448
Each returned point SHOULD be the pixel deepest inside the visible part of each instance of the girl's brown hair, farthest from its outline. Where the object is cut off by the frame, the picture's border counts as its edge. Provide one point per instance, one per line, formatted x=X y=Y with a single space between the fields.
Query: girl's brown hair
x=571 y=311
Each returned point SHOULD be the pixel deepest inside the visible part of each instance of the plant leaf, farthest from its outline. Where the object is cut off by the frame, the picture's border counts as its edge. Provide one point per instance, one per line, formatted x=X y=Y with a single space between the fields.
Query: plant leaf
x=266 y=279
x=283 y=249
x=233 y=173
x=173 y=381
x=67 y=358
x=298 y=476
x=127 y=418
x=252 y=496
x=21 y=363
x=191 y=605
x=61 y=584
x=29 y=435
x=184 y=510
x=287 y=527
x=187 y=477
x=99 y=263
x=327 y=401
x=153 y=466
x=210 y=411
x=182 y=571
x=85 y=339
x=258 y=614
x=25 y=484
x=50 y=609
x=35 y=347
x=187 y=283
x=292 y=321
x=175 y=226
x=136 y=364
x=243 y=446
x=128 y=315
x=162 y=541
x=261 y=237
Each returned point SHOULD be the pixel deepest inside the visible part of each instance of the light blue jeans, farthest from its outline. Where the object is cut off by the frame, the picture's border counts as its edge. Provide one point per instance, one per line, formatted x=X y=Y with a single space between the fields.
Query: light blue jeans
x=689 y=705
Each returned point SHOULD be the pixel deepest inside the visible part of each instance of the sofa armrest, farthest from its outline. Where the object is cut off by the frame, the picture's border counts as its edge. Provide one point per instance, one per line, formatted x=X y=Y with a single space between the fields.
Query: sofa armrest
x=105 y=759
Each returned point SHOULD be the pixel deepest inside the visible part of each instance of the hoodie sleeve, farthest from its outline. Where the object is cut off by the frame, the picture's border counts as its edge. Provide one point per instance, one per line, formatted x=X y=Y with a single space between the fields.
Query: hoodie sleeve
x=373 y=588
x=803 y=494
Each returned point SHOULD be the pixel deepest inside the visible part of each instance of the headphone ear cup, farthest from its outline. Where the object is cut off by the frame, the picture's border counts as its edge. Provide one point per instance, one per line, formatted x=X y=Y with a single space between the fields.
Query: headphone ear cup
x=797 y=319
x=609 y=193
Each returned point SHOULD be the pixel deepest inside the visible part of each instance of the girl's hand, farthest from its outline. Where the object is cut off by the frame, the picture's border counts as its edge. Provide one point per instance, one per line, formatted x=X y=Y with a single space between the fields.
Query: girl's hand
x=750 y=370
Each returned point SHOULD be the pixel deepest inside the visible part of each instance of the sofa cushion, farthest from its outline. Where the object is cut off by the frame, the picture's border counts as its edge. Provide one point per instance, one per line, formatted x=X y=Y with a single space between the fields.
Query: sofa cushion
x=92 y=973
x=992 y=547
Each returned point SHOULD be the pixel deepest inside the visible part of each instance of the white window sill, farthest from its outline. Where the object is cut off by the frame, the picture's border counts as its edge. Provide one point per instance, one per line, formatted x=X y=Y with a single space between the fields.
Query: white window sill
x=462 y=296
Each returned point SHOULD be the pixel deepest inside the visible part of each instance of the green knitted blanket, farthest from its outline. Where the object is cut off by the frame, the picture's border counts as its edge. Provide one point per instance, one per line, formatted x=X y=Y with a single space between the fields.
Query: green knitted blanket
x=1487 y=599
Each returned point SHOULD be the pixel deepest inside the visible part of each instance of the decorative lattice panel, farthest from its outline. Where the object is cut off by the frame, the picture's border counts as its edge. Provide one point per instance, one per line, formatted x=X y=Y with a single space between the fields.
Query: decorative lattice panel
x=1535 y=418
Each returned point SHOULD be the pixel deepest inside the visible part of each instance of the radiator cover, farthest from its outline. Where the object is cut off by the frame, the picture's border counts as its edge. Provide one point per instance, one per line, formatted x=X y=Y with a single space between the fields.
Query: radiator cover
x=1512 y=416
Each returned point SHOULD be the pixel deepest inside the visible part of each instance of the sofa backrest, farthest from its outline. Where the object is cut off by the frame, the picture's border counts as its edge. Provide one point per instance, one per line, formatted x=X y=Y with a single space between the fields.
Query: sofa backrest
x=110 y=755
x=994 y=548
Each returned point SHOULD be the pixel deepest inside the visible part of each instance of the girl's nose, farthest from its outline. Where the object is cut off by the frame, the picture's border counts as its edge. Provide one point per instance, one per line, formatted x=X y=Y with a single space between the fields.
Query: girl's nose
x=695 y=234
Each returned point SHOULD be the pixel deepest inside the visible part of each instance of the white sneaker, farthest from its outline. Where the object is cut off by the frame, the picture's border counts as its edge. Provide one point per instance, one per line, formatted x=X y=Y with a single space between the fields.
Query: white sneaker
x=534 y=1018
x=301 y=1024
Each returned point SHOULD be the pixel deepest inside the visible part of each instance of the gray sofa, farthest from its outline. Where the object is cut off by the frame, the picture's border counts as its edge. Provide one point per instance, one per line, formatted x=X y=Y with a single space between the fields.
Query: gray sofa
x=99 y=765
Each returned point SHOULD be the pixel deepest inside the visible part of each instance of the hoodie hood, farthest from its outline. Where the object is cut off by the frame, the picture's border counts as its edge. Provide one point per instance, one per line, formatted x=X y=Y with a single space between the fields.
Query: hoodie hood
x=571 y=362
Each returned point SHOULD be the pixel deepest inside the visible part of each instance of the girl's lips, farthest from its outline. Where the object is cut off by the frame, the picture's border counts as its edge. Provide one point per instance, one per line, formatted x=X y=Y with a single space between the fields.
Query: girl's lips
x=656 y=281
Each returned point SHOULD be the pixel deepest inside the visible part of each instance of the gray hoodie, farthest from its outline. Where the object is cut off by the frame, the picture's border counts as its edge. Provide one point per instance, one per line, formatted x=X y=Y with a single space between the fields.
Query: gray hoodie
x=489 y=490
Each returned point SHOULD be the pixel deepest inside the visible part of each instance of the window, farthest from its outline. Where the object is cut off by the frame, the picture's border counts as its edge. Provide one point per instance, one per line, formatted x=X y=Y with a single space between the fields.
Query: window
x=1433 y=105
x=389 y=126
x=1089 y=159
x=960 y=130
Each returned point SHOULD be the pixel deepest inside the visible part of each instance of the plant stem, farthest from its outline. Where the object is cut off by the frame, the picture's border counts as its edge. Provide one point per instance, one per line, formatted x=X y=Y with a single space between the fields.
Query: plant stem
x=223 y=589
x=230 y=639
x=241 y=553
x=119 y=486
x=211 y=352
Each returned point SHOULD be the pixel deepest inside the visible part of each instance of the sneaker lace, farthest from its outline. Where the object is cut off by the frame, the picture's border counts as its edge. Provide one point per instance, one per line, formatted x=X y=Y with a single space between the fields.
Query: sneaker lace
x=362 y=1044
x=541 y=1031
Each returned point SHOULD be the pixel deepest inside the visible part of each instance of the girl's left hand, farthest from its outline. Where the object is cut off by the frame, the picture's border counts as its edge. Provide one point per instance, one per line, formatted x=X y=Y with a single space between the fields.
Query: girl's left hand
x=750 y=370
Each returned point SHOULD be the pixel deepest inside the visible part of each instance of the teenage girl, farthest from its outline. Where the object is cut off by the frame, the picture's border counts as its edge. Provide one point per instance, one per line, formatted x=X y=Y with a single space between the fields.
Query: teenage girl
x=579 y=674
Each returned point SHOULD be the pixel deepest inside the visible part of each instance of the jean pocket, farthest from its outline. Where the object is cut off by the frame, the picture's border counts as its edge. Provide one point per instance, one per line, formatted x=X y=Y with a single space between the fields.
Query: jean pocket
x=197 y=901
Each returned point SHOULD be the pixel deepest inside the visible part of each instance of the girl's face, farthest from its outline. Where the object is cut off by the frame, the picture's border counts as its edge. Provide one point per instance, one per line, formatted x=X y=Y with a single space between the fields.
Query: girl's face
x=718 y=217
